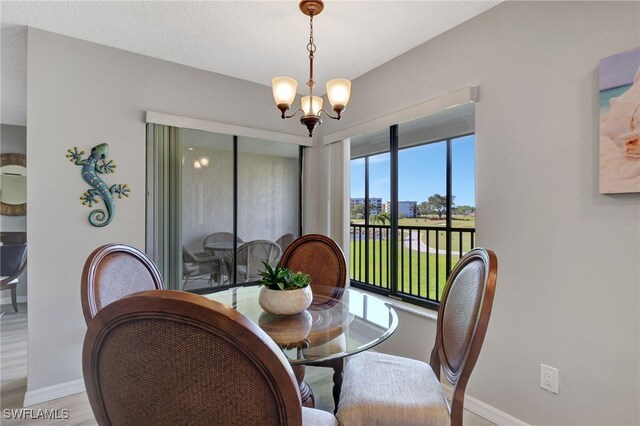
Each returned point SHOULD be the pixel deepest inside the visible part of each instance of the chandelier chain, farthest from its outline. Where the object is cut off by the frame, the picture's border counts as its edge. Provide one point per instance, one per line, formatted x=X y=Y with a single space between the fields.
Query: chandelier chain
x=311 y=48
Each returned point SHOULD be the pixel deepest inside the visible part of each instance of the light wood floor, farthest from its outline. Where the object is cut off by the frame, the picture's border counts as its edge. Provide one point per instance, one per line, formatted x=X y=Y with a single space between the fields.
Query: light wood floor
x=13 y=380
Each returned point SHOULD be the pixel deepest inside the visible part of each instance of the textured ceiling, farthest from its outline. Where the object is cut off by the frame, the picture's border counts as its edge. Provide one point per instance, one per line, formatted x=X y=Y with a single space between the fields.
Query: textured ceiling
x=251 y=40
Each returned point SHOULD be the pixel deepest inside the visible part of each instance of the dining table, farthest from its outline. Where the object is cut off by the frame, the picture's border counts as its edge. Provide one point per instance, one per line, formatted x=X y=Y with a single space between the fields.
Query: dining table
x=339 y=323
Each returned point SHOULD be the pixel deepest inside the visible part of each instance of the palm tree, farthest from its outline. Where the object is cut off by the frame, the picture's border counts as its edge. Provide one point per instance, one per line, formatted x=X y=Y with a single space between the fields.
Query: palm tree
x=381 y=218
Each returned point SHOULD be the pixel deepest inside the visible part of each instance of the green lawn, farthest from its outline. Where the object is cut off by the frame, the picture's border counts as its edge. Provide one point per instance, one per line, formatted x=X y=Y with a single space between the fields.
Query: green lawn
x=439 y=236
x=413 y=283
x=456 y=222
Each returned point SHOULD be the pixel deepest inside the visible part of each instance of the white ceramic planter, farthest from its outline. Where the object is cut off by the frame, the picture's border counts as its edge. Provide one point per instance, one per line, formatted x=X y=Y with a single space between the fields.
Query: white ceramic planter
x=285 y=302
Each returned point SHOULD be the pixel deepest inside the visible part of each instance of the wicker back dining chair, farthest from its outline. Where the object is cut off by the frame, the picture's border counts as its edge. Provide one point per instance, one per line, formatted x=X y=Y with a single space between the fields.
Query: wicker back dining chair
x=175 y=358
x=375 y=385
x=323 y=260
x=113 y=271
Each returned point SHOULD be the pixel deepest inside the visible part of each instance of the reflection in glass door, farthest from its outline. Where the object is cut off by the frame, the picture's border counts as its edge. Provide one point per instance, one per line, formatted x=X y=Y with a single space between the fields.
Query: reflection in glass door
x=219 y=205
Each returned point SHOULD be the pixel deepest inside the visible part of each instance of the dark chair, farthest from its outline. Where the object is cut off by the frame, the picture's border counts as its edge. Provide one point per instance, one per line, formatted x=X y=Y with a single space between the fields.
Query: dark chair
x=174 y=358
x=323 y=260
x=113 y=271
x=13 y=261
x=376 y=386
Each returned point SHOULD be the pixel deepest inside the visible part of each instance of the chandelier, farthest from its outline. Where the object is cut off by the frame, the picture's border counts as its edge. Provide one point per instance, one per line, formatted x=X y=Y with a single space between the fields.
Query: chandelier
x=285 y=88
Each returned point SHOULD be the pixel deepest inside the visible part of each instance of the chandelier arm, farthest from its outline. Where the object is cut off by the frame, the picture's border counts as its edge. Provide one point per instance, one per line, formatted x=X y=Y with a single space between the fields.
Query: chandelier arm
x=294 y=113
x=336 y=117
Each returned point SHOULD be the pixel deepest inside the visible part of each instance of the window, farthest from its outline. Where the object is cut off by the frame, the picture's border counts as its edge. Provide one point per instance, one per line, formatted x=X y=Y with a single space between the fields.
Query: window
x=414 y=181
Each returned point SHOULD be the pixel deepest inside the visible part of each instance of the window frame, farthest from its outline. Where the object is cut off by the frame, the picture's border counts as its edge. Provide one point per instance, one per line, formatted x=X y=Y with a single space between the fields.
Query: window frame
x=393 y=254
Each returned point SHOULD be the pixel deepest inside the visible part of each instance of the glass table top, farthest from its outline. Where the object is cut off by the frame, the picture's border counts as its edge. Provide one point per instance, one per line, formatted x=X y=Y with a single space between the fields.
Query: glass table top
x=341 y=322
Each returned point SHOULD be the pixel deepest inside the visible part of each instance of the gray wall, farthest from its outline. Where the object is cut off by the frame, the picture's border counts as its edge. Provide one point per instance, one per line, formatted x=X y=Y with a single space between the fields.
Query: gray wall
x=81 y=94
x=13 y=139
x=568 y=283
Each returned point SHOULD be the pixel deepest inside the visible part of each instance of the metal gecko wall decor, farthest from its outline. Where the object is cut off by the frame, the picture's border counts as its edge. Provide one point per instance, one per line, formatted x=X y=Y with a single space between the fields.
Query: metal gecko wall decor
x=90 y=171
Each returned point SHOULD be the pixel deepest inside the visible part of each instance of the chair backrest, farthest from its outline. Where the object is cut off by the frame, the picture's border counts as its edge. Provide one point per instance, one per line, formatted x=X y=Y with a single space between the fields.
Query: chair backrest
x=285 y=240
x=462 y=323
x=169 y=357
x=322 y=259
x=220 y=237
x=113 y=271
x=13 y=259
x=253 y=253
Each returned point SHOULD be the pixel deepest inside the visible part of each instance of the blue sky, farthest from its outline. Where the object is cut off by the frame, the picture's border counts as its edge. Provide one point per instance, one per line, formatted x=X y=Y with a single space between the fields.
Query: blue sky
x=422 y=173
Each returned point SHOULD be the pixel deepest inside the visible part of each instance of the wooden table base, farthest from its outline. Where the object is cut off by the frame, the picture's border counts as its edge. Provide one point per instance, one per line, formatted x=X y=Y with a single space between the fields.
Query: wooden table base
x=306 y=393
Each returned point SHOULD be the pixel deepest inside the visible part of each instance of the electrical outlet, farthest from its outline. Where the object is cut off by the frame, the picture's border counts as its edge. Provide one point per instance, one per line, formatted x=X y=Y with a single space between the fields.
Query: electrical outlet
x=549 y=378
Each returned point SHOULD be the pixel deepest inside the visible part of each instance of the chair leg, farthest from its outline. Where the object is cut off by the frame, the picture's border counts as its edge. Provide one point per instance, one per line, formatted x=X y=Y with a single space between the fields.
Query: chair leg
x=14 y=298
x=338 y=366
x=186 y=280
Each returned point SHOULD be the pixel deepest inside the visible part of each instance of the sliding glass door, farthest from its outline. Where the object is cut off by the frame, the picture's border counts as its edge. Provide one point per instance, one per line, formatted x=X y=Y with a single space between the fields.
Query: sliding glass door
x=219 y=205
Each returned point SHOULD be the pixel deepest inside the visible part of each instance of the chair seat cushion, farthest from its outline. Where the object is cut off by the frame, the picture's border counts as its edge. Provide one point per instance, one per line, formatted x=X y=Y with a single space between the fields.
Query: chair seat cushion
x=313 y=417
x=381 y=389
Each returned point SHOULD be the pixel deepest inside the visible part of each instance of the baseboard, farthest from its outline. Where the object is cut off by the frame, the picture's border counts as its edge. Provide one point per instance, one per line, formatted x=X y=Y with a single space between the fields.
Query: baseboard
x=49 y=393
x=485 y=411
x=7 y=300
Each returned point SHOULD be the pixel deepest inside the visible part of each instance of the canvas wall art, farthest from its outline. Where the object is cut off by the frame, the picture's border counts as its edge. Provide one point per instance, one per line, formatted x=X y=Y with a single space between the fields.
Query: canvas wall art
x=620 y=123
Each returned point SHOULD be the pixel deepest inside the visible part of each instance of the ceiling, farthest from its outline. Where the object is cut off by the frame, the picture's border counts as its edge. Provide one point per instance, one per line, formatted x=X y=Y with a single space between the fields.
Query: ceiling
x=250 y=40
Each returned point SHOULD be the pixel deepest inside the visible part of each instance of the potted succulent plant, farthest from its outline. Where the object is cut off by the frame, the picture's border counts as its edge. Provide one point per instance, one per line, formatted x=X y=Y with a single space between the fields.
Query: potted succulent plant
x=284 y=292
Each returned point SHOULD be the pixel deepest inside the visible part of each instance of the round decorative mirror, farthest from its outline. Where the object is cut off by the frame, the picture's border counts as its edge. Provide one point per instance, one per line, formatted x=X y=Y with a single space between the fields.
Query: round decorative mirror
x=13 y=184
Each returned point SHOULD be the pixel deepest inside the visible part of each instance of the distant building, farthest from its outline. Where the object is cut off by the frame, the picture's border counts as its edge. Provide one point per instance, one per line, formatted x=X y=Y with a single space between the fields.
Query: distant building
x=375 y=204
x=405 y=208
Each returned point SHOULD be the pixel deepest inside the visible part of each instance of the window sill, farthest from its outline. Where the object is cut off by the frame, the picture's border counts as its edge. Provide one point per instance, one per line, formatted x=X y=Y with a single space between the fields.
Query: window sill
x=404 y=306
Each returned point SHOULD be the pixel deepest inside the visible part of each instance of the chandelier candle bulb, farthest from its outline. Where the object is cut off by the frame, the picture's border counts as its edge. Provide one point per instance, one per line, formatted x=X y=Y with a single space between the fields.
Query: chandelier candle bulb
x=338 y=92
x=311 y=108
x=284 y=92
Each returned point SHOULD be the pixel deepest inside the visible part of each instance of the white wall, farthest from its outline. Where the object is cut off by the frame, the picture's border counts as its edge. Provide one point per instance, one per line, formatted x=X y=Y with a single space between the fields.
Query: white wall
x=569 y=276
x=13 y=139
x=81 y=94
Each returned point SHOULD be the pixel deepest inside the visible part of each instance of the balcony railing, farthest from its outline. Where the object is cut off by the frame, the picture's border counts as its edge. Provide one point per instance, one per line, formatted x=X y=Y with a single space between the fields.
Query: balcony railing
x=423 y=267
